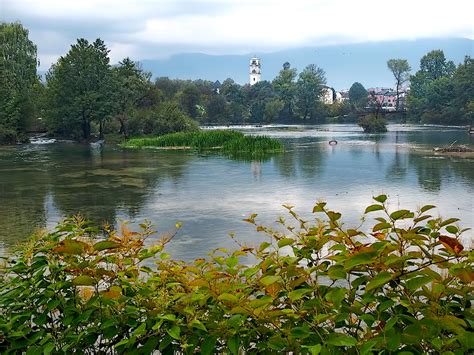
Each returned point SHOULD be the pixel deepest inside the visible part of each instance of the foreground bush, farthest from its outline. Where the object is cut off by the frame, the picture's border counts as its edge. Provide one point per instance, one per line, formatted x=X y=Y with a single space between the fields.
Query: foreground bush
x=406 y=286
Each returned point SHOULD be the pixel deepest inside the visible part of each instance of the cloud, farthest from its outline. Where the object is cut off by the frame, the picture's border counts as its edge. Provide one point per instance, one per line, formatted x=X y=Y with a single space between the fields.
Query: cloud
x=153 y=29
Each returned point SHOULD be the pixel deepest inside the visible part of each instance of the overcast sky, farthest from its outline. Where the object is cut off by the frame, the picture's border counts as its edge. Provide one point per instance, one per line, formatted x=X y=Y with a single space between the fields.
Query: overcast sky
x=148 y=29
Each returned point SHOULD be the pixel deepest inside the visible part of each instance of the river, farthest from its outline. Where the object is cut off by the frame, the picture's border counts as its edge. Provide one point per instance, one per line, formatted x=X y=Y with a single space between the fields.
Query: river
x=210 y=194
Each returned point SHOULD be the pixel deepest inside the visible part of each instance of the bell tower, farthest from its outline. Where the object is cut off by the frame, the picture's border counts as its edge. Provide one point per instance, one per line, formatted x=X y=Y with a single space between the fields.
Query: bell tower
x=254 y=71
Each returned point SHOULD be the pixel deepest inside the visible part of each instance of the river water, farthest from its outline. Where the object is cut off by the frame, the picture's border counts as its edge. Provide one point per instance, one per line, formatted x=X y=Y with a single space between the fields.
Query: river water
x=210 y=194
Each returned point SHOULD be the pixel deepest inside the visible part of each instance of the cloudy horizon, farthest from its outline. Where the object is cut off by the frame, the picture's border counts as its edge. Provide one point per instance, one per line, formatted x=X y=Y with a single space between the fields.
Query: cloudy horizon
x=160 y=28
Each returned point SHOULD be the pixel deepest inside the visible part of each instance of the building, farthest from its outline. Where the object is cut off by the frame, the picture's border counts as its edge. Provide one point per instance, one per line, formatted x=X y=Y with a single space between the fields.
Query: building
x=385 y=97
x=342 y=96
x=217 y=87
x=255 y=73
x=328 y=95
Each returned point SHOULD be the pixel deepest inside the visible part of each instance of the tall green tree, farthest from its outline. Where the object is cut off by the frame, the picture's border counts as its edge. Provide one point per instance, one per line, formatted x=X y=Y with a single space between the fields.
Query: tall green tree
x=258 y=96
x=190 y=98
x=309 y=88
x=285 y=88
x=426 y=87
x=435 y=65
x=463 y=91
x=401 y=72
x=18 y=62
x=358 y=96
x=79 y=90
x=130 y=88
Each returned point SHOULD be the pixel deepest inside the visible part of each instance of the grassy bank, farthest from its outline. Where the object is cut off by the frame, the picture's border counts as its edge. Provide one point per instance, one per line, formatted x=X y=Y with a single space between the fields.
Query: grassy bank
x=227 y=141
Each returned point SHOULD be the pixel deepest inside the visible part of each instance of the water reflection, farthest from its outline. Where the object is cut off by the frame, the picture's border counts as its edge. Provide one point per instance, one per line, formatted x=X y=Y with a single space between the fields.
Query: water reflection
x=210 y=194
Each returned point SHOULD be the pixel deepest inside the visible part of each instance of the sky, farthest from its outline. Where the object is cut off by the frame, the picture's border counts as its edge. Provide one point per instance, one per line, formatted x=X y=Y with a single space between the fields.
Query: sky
x=152 y=29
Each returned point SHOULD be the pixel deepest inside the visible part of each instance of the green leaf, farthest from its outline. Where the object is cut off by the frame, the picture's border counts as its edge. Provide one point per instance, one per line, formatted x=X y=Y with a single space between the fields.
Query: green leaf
x=83 y=280
x=297 y=294
x=198 y=325
x=264 y=246
x=48 y=348
x=400 y=214
x=227 y=297
x=174 y=332
x=285 y=241
x=170 y=317
x=426 y=208
x=336 y=295
x=415 y=283
x=449 y=221
x=385 y=305
x=353 y=232
x=373 y=208
x=268 y=280
x=149 y=346
x=313 y=349
x=380 y=226
x=334 y=216
x=338 y=339
x=232 y=261
x=337 y=272
x=262 y=301
x=452 y=229
x=364 y=258
x=366 y=348
x=319 y=207
x=141 y=329
x=300 y=332
x=121 y=343
x=380 y=198
x=106 y=244
x=378 y=280
x=71 y=246
x=208 y=346
x=276 y=342
x=234 y=344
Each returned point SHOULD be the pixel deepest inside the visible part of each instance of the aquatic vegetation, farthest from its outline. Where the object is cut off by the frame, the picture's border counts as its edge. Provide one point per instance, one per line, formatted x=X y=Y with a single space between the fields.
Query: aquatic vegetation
x=402 y=284
x=228 y=141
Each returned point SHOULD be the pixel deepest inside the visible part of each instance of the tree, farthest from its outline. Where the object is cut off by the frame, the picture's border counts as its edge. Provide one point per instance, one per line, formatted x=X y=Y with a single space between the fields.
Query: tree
x=79 y=90
x=190 y=97
x=130 y=88
x=425 y=88
x=285 y=87
x=358 y=96
x=434 y=64
x=401 y=71
x=18 y=61
x=308 y=90
x=217 y=109
x=257 y=97
x=168 y=87
x=272 y=110
x=463 y=91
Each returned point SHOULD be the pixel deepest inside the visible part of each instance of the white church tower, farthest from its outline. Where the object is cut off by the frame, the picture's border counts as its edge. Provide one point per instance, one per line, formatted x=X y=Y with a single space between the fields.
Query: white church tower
x=255 y=71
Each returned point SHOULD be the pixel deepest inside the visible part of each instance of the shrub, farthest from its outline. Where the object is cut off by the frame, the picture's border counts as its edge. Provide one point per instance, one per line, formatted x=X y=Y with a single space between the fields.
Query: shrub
x=406 y=286
x=8 y=136
x=167 y=118
x=373 y=124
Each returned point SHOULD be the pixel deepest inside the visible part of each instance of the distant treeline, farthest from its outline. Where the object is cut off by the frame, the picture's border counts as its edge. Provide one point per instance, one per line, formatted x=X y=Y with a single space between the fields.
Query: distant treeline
x=84 y=95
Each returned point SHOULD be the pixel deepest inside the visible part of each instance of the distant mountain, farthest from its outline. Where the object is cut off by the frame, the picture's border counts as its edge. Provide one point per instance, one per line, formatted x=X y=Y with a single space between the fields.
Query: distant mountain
x=344 y=64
